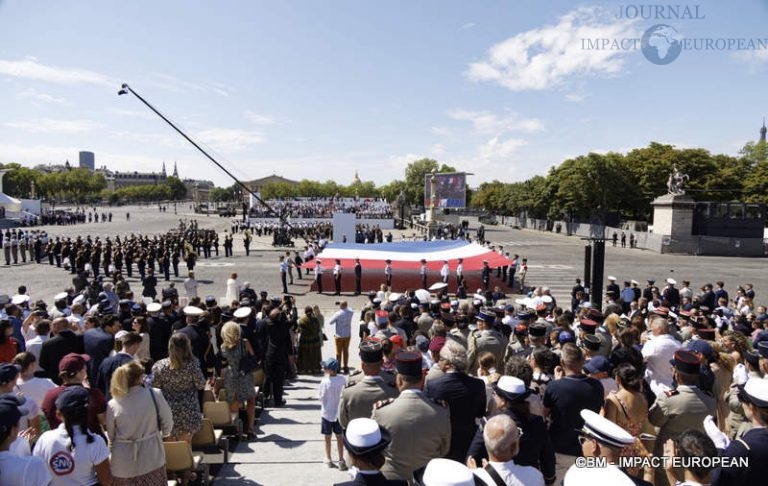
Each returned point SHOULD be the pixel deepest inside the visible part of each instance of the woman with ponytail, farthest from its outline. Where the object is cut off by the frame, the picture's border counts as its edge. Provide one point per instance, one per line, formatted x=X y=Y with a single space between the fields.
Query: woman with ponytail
x=72 y=453
x=137 y=420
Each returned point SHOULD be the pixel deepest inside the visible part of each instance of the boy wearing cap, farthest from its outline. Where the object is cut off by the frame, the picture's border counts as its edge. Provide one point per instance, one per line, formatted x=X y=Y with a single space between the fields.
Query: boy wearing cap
x=16 y=470
x=680 y=409
x=420 y=427
x=330 y=390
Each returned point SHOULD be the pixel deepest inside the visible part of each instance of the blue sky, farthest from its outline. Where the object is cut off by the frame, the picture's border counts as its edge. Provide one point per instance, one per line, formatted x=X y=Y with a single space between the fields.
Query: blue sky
x=319 y=90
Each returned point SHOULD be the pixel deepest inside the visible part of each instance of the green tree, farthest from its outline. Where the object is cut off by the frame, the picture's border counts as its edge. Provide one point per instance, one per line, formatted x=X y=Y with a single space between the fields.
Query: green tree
x=177 y=188
x=415 y=178
x=18 y=182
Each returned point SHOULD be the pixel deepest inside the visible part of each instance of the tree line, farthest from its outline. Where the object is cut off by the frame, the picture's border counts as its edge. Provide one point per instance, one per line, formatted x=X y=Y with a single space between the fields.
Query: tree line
x=81 y=185
x=595 y=184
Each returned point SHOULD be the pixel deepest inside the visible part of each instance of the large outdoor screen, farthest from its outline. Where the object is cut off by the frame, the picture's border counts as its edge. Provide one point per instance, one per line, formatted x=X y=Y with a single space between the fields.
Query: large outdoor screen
x=450 y=190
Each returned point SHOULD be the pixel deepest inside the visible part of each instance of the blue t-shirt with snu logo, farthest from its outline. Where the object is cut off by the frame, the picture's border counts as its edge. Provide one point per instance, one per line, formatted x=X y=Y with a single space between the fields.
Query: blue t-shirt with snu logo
x=566 y=398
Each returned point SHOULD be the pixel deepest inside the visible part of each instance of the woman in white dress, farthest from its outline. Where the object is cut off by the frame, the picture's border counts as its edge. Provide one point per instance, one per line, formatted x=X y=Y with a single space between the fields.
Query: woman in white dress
x=233 y=289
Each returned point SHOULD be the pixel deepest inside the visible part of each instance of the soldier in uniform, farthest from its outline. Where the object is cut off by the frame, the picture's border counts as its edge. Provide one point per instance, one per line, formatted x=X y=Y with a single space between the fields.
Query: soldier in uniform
x=358 y=399
x=358 y=276
x=680 y=409
x=423 y=273
x=753 y=445
x=485 y=339
x=365 y=441
x=337 y=277
x=319 y=276
x=388 y=272
x=408 y=417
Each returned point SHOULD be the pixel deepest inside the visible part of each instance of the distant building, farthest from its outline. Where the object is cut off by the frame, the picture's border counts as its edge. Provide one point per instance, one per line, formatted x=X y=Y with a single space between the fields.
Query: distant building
x=257 y=185
x=118 y=180
x=87 y=160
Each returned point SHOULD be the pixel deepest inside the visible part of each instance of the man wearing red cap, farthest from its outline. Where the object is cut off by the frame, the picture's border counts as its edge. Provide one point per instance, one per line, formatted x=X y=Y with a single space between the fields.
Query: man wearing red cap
x=420 y=427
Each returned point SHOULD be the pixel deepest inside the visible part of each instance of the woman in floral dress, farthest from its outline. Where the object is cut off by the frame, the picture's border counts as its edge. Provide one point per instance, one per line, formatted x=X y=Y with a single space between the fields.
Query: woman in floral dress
x=179 y=377
x=239 y=386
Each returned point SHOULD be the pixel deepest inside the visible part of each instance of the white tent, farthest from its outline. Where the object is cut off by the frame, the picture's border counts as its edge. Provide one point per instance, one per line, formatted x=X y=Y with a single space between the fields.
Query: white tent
x=7 y=202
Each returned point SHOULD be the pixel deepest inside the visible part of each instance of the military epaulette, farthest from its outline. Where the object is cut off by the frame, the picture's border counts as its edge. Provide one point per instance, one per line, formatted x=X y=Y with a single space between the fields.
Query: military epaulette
x=383 y=403
x=355 y=373
x=671 y=393
x=351 y=383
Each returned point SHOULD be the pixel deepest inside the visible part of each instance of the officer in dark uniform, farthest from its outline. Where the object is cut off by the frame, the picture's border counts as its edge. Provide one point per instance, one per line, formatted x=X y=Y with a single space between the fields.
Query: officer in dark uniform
x=753 y=445
x=365 y=441
x=536 y=449
x=358 y=276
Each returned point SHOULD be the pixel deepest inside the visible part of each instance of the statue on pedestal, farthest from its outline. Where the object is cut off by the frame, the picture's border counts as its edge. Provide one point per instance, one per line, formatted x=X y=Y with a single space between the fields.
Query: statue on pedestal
x=676 y=181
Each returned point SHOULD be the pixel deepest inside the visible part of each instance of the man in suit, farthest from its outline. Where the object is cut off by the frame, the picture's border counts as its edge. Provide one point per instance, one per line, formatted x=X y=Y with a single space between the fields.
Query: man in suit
x=99 y=342
x=357 y=400
x=485 y=339
x=681 y=409
x=420 y=428
x=130 y=342
x=63 y=342
x=464 y=395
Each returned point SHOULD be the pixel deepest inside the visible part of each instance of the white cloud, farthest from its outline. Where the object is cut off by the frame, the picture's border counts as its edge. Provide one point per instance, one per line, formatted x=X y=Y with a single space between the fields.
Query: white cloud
x=485 y=122
x=258 y=118
x=51 y=125
x=34 y=95
x=437 y=149
x=758 y=56
x=229 y=139
x=548 y=56
x=575 y=97
x=496 y=148
x=467 y=26
x=31 y=69
x=441 y=131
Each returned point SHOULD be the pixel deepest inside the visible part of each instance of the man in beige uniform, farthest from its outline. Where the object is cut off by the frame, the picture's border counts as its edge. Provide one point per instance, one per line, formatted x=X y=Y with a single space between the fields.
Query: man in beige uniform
x=357 y=400
x=485 y=339
x=420 y=427
x=681 y=409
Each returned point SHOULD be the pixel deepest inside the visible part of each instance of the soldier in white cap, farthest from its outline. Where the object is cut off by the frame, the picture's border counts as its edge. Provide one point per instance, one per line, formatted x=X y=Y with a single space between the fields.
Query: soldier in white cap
x=365 y=441
x=445 y=272
x=600 y=437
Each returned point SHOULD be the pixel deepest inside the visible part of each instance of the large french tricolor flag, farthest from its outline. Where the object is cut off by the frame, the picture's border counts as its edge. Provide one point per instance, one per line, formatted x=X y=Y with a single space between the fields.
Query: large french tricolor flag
x=408 y=255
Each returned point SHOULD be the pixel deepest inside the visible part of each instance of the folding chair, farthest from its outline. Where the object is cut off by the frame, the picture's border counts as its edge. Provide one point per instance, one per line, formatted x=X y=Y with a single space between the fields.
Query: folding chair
x=211 y=442
x=208 y=395
x=221 y=418
x=180 y=463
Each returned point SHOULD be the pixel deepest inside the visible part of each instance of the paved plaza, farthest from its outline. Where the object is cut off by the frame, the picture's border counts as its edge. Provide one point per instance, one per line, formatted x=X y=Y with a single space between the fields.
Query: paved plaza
x=289 y=447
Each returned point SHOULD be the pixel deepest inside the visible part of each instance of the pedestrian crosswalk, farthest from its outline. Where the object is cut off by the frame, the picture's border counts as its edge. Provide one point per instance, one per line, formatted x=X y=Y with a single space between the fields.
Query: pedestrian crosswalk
x=559 y=279
x=536 y=243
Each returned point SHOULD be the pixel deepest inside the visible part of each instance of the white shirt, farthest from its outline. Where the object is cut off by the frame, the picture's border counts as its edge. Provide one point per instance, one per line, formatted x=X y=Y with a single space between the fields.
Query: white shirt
x=71 y=468
x=330 y=396
x=444 y=272
x=658 y=351
x=34 y=346
x=512 y=474
x=337 y=269
x=35 y=388
x=342 y=319
x=23 y=471
x=459 y=269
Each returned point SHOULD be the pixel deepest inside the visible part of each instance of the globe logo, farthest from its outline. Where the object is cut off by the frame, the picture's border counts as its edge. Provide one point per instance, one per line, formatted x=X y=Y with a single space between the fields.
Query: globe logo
x=661 y=44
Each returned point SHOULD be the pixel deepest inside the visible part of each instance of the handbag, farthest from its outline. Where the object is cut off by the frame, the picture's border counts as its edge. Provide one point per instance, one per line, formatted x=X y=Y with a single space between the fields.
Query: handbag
x=157 y=411
x=248 y=362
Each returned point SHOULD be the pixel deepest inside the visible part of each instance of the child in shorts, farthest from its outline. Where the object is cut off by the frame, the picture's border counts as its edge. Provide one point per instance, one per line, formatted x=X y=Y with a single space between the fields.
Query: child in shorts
x=331 y=387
